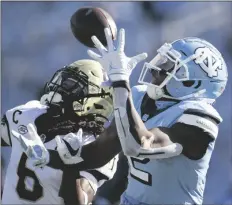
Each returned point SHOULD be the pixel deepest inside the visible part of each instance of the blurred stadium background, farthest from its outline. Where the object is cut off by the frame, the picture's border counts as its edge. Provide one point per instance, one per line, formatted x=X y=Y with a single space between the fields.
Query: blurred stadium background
x=37 y=40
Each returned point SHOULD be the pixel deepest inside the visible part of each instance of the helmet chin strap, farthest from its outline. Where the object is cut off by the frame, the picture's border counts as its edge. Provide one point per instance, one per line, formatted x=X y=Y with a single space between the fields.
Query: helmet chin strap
x=156 y=93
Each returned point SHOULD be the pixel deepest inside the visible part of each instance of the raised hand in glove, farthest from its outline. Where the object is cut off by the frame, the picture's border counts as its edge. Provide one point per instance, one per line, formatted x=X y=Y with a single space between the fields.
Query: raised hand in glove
x=114 y=61
x=69 y=147
x=33 y=146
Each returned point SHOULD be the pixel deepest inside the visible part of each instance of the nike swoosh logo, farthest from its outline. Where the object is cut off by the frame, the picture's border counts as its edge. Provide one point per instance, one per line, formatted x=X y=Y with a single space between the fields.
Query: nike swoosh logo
x=70 y=149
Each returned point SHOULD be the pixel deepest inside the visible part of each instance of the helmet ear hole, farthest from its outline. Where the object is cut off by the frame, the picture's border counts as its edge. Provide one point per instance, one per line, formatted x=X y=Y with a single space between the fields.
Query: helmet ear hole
x=188 y=83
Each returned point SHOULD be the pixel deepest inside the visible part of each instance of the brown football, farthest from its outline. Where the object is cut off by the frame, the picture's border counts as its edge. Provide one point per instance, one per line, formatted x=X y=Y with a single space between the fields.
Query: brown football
x=87 y=22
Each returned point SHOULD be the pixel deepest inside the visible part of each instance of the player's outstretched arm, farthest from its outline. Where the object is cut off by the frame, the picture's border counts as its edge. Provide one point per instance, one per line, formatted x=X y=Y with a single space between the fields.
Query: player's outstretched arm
x=131 y=130
x=90 y=156
x=191 y=134
x=135 y=139
x=88 y=181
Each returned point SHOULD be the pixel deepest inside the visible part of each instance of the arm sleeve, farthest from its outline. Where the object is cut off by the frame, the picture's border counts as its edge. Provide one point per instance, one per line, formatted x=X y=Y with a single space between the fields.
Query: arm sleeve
x=130 y=126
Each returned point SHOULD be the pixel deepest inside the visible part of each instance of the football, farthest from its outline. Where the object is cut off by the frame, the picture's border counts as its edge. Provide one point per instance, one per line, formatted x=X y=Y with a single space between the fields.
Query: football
x=87 y=22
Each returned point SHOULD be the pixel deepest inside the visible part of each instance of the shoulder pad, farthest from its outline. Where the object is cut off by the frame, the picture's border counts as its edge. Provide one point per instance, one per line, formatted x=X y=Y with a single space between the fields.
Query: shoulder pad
x=22 y=115
x=30 y=105
x=33 y=104
x=200 y=118
x=201 y=106
x=202 y=113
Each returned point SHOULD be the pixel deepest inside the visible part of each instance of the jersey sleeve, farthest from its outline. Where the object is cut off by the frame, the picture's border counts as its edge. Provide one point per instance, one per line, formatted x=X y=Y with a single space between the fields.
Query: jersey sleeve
x=204 y=120
x=98 y=177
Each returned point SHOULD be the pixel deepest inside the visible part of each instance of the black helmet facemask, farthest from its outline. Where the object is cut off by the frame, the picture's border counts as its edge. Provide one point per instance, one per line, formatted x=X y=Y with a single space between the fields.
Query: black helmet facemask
x=69 y=85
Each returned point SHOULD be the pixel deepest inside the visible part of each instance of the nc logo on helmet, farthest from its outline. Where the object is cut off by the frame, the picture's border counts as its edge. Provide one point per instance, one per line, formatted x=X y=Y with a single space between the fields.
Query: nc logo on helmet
x=208 y=61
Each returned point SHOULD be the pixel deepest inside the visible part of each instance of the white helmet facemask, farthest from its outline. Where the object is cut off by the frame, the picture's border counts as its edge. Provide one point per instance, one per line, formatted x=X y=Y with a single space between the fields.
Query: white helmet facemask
x=161 y=69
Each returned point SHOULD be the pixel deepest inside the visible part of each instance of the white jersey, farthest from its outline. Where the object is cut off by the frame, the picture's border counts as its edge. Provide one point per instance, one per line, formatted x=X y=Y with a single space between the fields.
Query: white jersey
x=24 y=184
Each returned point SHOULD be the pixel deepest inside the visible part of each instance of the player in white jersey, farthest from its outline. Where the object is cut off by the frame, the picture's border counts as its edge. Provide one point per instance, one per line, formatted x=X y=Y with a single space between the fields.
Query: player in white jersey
x=73 y=100
x=167 y=127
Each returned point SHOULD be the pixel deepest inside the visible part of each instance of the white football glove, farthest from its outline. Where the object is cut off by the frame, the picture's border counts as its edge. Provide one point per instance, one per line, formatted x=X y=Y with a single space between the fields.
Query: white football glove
x=69 y=147
x=116 y=64
x=33 y=146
